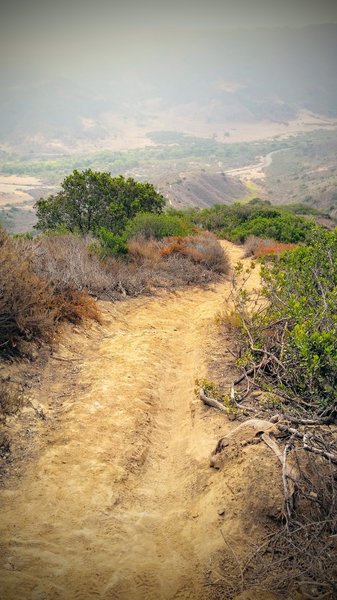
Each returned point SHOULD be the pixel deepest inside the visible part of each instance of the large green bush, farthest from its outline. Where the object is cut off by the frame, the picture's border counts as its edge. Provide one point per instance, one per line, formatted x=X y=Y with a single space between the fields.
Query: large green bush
x=259 y=218
x=89 y=200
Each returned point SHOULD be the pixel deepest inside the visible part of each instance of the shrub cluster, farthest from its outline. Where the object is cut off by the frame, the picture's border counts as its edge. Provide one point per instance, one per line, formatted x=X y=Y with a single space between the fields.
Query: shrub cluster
x=54 y=277
x=72 y=262
x=144 y=226
x=258 y=218
x=152 y=226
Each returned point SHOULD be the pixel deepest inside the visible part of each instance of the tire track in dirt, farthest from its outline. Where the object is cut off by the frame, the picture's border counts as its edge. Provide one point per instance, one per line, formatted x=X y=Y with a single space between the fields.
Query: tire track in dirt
x=112 y=508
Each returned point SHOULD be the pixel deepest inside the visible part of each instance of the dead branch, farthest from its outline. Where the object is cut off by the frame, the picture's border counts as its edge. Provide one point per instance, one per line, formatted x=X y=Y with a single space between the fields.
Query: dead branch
x=211 y=401
x=63 y=359
x=306 y=446
x=327 y=455
x=251 y=371
x=273 y=445
x=297 y=421
x=287 y=494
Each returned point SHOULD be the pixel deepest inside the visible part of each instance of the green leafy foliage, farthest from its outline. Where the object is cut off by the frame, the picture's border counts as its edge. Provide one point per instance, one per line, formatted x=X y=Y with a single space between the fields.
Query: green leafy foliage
x=111 y=243
x=295 y=325
x=154 y=226
x=286 y=228
x=89 y=200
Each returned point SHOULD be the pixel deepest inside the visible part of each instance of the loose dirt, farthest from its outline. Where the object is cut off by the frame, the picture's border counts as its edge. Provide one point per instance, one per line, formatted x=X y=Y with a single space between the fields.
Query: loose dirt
x=118 y=500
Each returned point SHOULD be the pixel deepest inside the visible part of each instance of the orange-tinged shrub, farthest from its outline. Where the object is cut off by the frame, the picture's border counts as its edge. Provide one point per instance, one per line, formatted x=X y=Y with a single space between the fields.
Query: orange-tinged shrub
x=272 y=249
x=259 y=247
x=75 y=305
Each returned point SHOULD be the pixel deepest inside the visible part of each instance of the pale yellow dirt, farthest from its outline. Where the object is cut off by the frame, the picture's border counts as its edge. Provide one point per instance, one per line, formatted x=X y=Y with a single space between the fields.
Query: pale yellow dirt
x=120 y=502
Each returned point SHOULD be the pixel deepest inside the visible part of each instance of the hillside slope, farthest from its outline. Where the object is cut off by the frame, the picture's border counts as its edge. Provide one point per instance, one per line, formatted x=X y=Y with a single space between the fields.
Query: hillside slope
x=119 y=501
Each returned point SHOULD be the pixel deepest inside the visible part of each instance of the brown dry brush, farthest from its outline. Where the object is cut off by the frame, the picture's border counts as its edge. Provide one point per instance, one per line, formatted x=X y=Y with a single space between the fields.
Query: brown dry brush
x=33 y=300
x=203 y=249
x=27 y=309
x=73 y=262
x=59 y=277
x=258 y=247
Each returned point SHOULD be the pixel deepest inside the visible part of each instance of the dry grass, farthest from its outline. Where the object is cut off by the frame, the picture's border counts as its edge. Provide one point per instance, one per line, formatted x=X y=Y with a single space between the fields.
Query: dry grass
x=69 y=262
x=33 y=297
x=203 y=249
x=59 y=277
x=143 y=250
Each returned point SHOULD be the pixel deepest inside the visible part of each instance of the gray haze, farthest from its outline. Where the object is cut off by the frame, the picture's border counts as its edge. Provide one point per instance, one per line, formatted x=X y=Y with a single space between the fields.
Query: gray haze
x=78 y=69
x=33 y=32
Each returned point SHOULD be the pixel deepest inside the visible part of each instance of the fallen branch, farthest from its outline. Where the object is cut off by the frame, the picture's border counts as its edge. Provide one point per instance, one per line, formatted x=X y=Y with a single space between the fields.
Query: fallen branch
x=327 y=455
x=211 y=401
x=297 y=421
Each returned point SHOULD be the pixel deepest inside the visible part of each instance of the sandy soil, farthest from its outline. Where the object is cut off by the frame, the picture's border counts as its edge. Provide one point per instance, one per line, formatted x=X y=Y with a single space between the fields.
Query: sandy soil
x=14 y=190
x=119 y=502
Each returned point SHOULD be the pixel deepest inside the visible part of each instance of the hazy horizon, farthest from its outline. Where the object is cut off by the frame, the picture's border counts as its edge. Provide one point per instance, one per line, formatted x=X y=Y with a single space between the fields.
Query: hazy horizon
x=35 y=33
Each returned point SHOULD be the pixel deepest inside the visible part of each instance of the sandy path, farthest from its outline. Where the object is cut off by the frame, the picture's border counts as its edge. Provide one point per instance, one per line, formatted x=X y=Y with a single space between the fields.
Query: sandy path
x=113 y=506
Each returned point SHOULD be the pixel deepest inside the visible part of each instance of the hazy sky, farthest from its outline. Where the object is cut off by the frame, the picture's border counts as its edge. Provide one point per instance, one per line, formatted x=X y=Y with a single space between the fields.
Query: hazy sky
x=20 y=15
x=35 y=31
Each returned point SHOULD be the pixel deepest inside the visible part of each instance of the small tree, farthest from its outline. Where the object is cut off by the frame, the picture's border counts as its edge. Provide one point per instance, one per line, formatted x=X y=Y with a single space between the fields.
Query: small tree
x=89 y=200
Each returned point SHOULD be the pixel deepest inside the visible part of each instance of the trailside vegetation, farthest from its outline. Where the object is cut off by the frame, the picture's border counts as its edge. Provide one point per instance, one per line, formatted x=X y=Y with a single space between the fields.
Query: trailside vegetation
x=289 y=342
x=52 y=277
x=31 y=303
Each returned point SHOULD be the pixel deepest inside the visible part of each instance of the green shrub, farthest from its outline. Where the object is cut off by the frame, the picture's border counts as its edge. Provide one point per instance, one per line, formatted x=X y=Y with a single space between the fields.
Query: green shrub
x=152 y=226
x=89 y=200
x=112 y=244
x=285 y=228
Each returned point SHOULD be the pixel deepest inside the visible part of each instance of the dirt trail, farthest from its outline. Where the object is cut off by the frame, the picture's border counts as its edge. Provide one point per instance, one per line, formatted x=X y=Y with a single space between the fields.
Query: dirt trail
x=120 y=502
